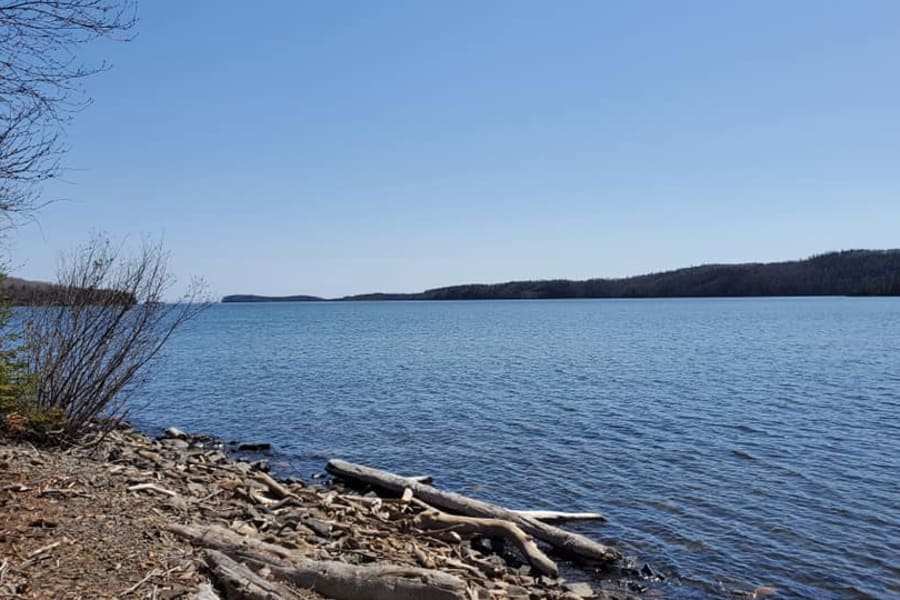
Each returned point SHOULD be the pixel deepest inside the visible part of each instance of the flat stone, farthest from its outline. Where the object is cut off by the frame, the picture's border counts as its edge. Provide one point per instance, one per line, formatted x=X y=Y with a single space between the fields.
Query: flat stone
x=580 y=589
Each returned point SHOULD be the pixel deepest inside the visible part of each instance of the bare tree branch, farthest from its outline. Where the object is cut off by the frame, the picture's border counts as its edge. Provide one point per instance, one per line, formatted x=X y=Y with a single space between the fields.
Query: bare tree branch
x=41 y=85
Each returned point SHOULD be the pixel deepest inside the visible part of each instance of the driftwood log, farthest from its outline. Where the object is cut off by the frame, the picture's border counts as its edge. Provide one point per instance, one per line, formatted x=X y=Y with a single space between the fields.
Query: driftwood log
x=549 y=516
x=434 y=519
x=240 y=583
x=337 y=580
x=563 y=541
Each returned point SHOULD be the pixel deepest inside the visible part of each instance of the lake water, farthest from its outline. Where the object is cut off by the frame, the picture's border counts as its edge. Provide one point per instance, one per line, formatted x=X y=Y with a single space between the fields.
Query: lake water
x=733 y=443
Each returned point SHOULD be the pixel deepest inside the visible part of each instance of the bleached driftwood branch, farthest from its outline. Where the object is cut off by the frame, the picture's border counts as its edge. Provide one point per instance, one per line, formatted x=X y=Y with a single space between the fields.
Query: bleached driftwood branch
x=561 y=540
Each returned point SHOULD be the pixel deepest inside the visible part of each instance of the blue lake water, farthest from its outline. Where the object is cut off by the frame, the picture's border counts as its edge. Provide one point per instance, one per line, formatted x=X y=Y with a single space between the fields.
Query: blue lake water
x=733 y=443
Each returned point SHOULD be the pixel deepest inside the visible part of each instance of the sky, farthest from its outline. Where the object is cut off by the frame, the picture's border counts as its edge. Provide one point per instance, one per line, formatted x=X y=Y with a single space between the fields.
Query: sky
x=333 y=148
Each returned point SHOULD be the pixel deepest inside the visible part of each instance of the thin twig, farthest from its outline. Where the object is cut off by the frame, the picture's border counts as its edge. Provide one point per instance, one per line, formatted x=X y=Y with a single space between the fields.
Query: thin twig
x=152 y=487
x=43 y=549
x=152 y=573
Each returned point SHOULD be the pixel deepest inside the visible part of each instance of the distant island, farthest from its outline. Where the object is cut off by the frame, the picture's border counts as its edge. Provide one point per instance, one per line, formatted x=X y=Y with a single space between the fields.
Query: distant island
x=846 y=273
x=254 y=298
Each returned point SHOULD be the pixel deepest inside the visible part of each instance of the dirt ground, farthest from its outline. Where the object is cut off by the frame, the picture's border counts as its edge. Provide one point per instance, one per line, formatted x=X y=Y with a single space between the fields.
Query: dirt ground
x=71 y=529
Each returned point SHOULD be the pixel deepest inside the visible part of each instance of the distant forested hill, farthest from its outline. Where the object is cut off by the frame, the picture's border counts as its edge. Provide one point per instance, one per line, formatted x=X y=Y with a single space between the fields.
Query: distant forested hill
x=852 y=272
x=847 y=273
x=23 y=292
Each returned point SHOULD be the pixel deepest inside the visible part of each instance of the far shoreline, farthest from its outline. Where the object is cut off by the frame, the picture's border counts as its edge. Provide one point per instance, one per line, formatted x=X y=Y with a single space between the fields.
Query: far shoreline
x=616 y=298
x=845 y=273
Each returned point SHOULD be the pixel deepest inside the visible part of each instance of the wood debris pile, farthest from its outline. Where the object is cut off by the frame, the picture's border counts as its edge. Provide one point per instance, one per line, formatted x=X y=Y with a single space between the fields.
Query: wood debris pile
x=205 y=515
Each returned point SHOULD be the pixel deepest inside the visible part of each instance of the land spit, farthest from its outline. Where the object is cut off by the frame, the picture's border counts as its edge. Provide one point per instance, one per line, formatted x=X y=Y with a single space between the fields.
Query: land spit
x=127 y=516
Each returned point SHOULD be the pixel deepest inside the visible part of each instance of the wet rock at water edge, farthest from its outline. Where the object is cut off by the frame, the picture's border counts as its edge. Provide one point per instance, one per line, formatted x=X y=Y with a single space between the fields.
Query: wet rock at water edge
x=261 y=465
x=175 y=433
x=252 y=446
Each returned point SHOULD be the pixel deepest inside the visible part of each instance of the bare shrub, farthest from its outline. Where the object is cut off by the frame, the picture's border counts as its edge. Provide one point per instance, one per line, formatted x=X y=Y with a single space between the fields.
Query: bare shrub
x=92 y=351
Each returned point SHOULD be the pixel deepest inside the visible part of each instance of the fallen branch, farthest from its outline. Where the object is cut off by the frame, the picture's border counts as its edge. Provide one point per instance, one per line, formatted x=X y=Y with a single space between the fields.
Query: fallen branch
x=60 y=492
x=434 y=519
x=149 y=575
x=219 y=538
x=343 y=581
x=153 y=488
x=553 y=515
x=43 y=549
x=276 y=488
x=564 y=541
x=337 y=580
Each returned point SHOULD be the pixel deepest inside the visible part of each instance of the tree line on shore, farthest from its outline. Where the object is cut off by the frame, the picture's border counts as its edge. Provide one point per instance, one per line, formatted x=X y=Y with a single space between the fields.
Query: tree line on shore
x=845 y=273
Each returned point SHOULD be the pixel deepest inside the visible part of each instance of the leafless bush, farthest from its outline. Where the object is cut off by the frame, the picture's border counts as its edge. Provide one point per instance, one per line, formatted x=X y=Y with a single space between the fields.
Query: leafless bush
x=90 y=353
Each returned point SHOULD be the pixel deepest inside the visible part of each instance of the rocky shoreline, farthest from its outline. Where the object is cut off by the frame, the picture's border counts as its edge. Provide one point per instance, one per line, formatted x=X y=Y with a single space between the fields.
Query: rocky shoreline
x=179 y=516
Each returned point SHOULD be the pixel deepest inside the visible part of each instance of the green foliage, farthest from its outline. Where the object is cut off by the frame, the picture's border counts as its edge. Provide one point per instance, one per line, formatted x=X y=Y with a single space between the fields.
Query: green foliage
x=20 y=415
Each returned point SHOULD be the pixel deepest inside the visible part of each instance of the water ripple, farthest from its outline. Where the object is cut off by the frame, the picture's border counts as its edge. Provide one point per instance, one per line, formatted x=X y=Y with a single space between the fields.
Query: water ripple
x=732 y=443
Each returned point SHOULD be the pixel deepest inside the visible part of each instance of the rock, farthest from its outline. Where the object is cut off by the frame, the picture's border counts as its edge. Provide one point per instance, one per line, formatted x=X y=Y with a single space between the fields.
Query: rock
x=254 y=447
x=260 y=465
x=580 y=589
x=630 y=573
x=175 y=433
x=174 y=443
x=636 y=587
x=646 y=571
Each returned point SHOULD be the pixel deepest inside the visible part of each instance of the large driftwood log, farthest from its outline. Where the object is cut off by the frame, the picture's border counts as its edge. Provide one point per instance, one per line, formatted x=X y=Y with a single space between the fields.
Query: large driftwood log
x=240 y=583
x=337 y=580
x=433 y=519
x=343 y=581
x=219 y=538
x=565 y=541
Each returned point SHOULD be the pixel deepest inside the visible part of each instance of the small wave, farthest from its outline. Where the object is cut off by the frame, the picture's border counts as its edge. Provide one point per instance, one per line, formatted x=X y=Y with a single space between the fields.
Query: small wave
x=742 y=454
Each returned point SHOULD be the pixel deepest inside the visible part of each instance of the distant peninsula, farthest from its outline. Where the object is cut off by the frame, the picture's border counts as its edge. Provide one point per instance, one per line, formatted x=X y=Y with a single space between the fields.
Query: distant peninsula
x=845 y=273
x=254 y=298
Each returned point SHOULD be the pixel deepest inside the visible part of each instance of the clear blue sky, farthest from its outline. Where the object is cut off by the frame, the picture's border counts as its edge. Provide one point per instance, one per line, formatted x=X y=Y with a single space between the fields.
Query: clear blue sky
x=340 y=147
